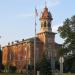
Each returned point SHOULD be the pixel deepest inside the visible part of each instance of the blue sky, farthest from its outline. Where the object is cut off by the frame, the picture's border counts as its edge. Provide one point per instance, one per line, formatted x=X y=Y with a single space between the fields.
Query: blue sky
x=17 y=17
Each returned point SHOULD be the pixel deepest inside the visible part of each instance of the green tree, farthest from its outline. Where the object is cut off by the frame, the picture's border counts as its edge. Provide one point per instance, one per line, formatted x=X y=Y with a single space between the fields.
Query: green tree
x=61 y=52
x=44 y=66
x=67 y=32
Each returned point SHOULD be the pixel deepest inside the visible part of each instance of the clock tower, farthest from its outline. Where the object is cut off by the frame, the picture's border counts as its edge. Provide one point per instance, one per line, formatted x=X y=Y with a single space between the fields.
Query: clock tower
x=47 y=38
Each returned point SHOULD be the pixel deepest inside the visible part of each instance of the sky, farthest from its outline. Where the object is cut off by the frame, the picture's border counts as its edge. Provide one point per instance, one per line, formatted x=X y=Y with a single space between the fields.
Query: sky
x=17 y=17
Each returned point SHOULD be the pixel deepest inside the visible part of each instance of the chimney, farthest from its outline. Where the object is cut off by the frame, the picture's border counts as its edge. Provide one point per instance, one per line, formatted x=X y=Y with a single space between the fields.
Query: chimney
x=22 y=39
x=12 y=43
x=9 y=44
x=17 y=41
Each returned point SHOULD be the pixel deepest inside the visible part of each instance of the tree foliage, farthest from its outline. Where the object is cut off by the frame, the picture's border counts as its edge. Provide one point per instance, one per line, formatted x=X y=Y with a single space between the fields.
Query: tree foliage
x=67 y=32
x=61 y=52
x=44 y=66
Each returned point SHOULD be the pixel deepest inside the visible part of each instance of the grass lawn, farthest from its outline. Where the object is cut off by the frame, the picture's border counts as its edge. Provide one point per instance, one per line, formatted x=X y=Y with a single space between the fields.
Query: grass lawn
x=69 y=74
x=24 y=74
x=11 y=74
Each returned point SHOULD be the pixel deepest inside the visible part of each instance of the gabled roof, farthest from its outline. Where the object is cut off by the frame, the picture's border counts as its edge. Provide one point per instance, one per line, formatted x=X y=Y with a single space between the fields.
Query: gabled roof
x=29 y=40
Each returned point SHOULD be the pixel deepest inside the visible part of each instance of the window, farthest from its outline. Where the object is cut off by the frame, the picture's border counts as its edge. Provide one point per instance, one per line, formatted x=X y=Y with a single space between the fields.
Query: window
x=49 y=25
x=25 y=49
x=45 y=24
x=14 y=54
x=25 y=53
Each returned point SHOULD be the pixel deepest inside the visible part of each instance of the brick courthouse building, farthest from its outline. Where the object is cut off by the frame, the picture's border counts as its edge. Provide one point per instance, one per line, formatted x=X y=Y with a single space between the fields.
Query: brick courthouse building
x=21 y=53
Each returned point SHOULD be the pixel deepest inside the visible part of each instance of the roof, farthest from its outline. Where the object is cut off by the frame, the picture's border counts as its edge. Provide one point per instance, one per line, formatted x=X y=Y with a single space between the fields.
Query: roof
x=23 y=41
x=31 y=39
x=46 y=14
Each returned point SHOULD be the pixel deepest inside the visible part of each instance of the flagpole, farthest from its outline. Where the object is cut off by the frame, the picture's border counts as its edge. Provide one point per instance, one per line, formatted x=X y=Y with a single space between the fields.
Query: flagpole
x=35 y=15
x=34 y=43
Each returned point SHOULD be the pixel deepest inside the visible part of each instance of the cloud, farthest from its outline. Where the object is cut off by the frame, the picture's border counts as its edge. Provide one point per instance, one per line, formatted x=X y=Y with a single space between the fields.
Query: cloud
x=55 y=27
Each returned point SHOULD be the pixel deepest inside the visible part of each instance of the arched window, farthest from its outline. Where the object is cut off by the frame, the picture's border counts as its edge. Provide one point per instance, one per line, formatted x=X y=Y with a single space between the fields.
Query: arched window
x=45 y=24
x=49 y=25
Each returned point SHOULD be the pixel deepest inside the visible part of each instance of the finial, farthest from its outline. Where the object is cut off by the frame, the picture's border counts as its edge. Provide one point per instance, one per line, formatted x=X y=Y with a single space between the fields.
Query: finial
x=45 y=4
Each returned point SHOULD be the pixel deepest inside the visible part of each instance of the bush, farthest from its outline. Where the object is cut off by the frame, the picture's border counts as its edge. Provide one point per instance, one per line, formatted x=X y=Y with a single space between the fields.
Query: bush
x=12 y=69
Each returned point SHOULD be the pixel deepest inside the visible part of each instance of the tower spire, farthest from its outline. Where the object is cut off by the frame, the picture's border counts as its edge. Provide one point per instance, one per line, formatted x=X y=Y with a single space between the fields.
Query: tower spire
x=45 y=3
